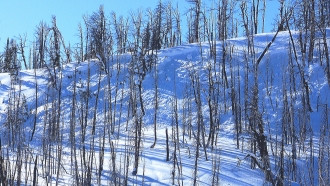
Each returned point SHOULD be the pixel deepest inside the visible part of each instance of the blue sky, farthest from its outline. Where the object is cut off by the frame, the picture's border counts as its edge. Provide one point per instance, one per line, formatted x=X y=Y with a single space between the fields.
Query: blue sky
x=22 y=16
x=19 y=17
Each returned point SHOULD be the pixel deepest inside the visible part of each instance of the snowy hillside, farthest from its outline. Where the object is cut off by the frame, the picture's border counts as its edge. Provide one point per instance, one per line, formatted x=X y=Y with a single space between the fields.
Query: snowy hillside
x=82 y=124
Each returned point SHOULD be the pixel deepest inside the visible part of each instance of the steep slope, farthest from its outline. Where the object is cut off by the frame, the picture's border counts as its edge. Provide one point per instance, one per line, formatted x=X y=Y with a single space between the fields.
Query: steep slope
x=89 y=127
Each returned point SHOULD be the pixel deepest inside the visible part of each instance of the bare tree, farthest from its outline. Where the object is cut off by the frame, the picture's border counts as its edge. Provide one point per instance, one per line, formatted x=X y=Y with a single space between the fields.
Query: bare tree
x=98 y=32
x=195 y=22
x=41 y=37
x=21 y=50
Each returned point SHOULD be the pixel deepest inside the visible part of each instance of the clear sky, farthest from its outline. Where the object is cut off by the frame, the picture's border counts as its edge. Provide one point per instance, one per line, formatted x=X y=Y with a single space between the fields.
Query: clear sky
x=19 y=17
x=22 y=16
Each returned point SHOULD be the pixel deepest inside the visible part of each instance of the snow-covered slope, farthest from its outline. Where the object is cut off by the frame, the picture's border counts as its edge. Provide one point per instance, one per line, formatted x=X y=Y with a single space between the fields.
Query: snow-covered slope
x=115 y=96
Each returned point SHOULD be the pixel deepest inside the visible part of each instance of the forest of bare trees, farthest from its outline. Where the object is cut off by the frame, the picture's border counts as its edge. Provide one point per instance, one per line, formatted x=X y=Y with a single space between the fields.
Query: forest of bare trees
x=220 y=88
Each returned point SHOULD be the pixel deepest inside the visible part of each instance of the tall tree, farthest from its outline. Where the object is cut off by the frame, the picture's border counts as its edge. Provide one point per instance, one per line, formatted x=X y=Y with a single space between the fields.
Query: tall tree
x=10 y=62
x=98 y=32
x=21 y=50
x=195 y=22
x=41 y=38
